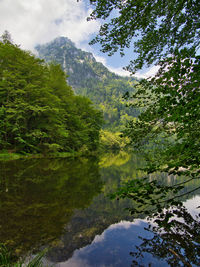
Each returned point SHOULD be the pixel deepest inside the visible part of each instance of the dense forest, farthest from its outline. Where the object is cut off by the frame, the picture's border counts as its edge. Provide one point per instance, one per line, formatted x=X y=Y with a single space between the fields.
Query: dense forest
x=39 y=111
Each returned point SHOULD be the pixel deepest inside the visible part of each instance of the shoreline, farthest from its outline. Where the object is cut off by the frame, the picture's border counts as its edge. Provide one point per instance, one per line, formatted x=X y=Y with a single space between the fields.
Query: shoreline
x=5 y=156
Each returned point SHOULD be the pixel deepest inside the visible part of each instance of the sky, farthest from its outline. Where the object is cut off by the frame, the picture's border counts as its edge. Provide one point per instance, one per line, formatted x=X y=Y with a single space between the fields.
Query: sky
x=32 y=22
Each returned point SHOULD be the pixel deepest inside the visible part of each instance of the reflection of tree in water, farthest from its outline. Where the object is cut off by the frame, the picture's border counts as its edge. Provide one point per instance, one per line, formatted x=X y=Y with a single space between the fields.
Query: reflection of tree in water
x=85 y=224
x=176 y=239
x=42 y=200
x=178 y=242
x=93 y=220
x=38 y=198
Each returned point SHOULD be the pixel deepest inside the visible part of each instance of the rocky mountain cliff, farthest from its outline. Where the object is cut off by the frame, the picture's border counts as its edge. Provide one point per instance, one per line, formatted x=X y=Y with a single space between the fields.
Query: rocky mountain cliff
x=81 y=66
x=92 y=79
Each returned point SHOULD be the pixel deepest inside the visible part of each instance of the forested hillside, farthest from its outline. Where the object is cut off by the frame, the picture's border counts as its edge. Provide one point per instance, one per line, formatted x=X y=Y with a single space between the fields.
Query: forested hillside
x=38 y=109
x=92 y=79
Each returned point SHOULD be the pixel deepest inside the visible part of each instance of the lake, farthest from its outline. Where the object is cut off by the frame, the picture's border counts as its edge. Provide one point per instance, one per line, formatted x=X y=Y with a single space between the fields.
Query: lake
x=64 y=205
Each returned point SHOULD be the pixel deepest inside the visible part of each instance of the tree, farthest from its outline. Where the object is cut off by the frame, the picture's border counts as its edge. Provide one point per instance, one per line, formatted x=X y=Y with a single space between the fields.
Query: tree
x=164 y=33
x=38 y=109
x=155 y=28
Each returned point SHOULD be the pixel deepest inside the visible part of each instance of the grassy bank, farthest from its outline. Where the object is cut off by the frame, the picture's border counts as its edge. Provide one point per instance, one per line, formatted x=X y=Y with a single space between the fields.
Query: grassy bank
x=6 y=156
x=8 y=260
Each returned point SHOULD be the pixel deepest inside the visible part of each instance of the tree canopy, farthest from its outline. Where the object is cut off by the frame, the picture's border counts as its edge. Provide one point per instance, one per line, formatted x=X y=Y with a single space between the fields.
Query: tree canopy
x=166 y=33
x=154 y=28
x=38 y=109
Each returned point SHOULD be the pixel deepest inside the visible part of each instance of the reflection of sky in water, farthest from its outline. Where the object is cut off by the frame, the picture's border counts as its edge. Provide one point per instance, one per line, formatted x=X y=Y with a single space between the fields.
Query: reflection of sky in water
x=192 y=205
x=112 y=247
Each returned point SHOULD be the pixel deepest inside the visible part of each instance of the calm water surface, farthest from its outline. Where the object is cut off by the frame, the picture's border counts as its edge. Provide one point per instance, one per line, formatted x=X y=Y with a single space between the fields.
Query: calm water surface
x=64 y=205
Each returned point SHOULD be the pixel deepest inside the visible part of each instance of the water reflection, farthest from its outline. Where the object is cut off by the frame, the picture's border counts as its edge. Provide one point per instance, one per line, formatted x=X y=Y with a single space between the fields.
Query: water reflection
x=38 y=198
x=113 y=246
x=176 y=240
x=63 y=204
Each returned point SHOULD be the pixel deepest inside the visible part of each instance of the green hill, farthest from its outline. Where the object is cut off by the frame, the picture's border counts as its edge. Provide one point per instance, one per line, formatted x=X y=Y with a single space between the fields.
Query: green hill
x=39 y=112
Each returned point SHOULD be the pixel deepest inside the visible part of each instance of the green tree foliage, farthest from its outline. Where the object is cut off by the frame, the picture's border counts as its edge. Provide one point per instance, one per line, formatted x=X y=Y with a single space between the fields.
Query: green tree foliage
x=167 y=33
x=7 y=260
x=112 y=141
x=155 y=29
x=170 y=122
x=107 y=95
x=168 y=128
x=38 y=109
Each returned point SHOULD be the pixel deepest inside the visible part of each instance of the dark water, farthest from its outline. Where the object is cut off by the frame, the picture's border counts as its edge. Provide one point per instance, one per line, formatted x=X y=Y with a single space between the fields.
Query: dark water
x=62 y=204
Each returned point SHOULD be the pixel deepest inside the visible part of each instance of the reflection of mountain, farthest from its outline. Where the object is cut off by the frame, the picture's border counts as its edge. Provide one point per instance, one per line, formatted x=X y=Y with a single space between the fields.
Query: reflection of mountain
x=86 y=224
x=38 y=198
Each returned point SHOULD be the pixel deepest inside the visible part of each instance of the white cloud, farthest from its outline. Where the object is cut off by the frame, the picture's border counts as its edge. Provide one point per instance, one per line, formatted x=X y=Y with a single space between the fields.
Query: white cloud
x=191 y=205
x=32 y=22
x=100 y=59
x=148 y=73
x=99 y=238
x=40 y=21
x=119 y=71
x=125 y=224
x=74 y=262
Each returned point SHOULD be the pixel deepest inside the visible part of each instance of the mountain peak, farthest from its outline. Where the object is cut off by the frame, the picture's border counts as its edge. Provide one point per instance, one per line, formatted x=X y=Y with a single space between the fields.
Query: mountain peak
x=62 y=41
x=80 y=66
x=57 y=42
